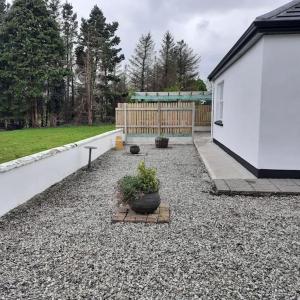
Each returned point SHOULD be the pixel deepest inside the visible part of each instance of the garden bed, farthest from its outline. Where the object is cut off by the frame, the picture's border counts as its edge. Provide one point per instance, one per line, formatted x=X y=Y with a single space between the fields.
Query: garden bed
x=62 y=243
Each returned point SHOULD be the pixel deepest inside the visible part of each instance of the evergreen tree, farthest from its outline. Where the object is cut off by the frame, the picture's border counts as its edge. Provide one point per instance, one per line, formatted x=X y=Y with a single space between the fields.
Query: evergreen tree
x=54 y=7
x=155 y=79
x=97 y=57
x=196 y=85
x=187 y=63
x=3 y=10
x=69 y=30
x=88 y=56
x=141 y=63
x=167 y=62
x=110 y=59
x=30 y=52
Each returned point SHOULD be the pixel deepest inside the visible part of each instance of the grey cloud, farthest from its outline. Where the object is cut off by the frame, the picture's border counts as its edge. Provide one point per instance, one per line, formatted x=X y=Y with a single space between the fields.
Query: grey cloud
x=210 y=27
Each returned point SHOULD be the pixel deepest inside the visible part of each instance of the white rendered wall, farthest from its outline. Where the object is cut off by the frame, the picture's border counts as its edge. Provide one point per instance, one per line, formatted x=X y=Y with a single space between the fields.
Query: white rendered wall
x=241 y=113
x=26 y=177
x=280 y=110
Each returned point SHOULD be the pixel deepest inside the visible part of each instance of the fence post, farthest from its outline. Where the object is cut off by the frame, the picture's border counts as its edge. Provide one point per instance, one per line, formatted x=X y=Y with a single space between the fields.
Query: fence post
x=159 y=118
x=125 y=120
x=193 y=120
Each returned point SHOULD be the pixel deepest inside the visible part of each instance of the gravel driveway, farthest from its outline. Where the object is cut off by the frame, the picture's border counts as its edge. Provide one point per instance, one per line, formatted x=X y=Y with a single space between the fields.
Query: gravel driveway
x=61 y=244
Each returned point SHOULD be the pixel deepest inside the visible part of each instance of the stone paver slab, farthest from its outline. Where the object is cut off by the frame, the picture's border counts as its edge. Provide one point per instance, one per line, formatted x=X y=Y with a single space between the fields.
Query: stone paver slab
x=297 y=181
x=239 y=185
x=263 y=186
x=125 y=215
x=221 y=186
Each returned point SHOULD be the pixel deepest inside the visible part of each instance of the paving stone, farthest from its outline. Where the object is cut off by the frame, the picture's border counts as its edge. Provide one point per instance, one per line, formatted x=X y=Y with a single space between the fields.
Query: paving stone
x=257 y=186
x=263 y=186
x=284 y=182
x=157 y=211
x=124 y=209
x=221 y=185
x=141 y=219
x=163 y=209
x=130 y=212
x=130 y=218
x=152 y=218
x=239 y=185
x=164 y=214
x=162 y=220
x=164 y=205
x=118 y=217
x=297 y=181
x=125 y=215
x=289 y=189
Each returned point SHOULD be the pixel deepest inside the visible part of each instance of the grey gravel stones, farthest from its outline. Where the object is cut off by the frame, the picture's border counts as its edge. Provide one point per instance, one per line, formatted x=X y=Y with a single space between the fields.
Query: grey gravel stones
x=62 y=245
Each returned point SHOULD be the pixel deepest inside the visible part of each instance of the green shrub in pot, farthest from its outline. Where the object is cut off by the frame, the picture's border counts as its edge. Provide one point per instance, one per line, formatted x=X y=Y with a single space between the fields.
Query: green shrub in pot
x=140 y=192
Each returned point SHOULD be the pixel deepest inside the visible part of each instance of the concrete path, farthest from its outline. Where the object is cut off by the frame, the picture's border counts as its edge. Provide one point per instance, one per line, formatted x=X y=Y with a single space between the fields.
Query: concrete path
x=230 y=177
x=219 y=164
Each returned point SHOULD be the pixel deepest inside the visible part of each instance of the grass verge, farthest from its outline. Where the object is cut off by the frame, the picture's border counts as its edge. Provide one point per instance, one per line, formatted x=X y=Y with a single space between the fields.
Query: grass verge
x=20 y=143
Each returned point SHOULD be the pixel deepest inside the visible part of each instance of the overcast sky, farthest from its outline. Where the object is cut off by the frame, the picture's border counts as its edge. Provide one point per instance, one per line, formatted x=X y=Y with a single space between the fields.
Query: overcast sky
x=210 y=27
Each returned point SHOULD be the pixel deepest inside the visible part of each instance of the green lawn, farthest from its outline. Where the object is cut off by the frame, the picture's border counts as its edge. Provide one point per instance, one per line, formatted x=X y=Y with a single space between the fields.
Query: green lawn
x=19 y=143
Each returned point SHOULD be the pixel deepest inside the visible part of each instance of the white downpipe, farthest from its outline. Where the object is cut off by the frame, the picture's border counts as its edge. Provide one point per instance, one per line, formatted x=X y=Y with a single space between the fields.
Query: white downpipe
x=212 y=111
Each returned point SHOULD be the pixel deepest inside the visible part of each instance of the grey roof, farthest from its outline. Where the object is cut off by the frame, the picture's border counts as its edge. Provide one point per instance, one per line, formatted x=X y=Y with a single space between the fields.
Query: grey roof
x=285 y=19
x=202 y=97
x=289 y=11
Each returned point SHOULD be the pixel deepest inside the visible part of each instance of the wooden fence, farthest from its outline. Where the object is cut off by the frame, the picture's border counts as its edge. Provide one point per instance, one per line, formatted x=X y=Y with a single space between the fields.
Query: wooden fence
x=174 y=118
x=202 y=115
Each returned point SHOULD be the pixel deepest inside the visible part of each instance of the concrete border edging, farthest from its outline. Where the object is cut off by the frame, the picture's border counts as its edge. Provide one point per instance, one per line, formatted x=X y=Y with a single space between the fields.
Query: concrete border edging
x=188 y=140
x=22 y=179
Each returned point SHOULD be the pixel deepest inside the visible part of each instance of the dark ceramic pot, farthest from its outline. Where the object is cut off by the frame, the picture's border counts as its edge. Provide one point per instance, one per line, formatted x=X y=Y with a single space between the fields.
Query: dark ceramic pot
x=135 y=149
x=146 y=204
x=161 y=142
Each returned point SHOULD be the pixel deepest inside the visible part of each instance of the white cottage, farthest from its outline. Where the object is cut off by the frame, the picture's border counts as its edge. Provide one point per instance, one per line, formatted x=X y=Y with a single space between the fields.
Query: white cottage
x=257 y=96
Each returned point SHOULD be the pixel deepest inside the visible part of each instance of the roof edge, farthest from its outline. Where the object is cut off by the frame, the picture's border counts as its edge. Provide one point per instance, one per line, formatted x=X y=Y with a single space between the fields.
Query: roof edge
x=262 y=25
x=278 y=10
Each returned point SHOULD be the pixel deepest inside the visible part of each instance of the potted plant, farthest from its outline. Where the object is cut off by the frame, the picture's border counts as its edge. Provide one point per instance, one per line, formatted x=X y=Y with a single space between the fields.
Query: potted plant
x=140 y=192
x=161 y=142
x=135 y=149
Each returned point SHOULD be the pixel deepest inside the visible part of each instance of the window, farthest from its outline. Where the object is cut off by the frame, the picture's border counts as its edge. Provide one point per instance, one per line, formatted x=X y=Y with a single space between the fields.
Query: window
x=219 y=103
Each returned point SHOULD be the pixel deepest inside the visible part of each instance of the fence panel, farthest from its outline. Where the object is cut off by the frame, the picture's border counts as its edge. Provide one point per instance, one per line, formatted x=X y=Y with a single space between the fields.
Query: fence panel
x=202 y=115
x=169 y=118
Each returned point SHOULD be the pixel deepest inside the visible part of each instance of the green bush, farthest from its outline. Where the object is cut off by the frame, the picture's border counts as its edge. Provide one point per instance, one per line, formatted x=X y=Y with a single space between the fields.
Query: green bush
x=129 y=187
x=148 y=179
x=132 y=187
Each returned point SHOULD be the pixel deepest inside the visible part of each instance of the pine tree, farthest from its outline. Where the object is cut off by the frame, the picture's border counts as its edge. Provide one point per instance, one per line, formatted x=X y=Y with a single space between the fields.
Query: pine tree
x=97 y=57
x=88 y=56
x=155 y=77
x=187 y=63
x=54 y=7
x=110 y=59
x=30 y=52
x=141 y=63
x=167 y=62
x=69 y=30
x=3 y=10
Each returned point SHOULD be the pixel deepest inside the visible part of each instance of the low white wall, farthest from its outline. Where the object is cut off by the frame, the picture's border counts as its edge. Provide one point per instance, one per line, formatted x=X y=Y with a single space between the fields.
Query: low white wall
x=26 y=177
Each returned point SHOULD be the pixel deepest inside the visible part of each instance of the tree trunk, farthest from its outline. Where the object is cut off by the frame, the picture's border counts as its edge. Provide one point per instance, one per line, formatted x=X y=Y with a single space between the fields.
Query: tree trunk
x=73 y=99
x=53 y=120
x=88 y=88
x=34 y=114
